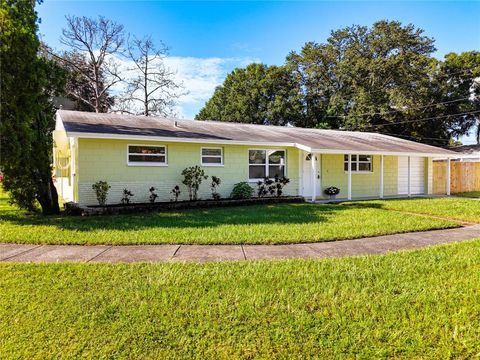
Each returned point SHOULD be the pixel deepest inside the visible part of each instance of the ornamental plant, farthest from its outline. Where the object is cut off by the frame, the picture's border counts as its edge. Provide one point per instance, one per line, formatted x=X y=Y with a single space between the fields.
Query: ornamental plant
x=192 y=178
x=272 y=187
x=214 y=186
x=101 y=191
x=332 y=190
x=241 y=190
x=153 y=195
x=175 y=192
x=127 y=194
x=279 y=184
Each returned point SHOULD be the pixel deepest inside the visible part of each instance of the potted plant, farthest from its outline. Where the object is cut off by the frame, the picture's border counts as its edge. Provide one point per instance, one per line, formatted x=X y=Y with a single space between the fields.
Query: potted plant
x=332 y=191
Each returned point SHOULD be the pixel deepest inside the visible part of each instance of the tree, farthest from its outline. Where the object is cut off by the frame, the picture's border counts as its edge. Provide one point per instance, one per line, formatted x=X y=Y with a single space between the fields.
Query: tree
x=459 y=77
x=79 y=88
x=100 y=40
x=28 y=82
x=258 y=94
x=381 y=79
x=152 y=89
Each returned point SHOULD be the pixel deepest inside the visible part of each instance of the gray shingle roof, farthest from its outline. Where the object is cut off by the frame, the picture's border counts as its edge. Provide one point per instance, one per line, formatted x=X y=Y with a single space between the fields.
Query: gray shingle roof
x=81 y=123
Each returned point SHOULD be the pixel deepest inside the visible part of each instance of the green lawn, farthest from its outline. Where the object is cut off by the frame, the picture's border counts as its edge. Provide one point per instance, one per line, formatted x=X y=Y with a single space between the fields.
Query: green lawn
x=274 y=224
x=452 y=208
x=469 y=194
x=415 y=304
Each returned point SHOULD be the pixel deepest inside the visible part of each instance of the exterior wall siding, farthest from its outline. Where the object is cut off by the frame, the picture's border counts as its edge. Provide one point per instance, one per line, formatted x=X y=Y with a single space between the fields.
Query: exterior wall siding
x=101 y=159
x=363 y=184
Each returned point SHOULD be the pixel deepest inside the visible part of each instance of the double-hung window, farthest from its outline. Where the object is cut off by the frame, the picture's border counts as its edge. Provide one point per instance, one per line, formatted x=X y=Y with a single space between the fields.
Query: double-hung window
x=212 y=156
x=147 y=155
x=266 y=164
x=360 y=163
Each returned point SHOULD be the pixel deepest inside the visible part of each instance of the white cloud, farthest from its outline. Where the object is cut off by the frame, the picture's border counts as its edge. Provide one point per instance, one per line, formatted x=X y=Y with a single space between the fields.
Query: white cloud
x=199 y=76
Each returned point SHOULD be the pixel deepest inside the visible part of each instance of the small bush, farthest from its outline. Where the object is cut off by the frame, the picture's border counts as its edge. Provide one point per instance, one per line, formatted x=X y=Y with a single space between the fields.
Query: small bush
x=272 y=187
x=175 y=192
x=101 y=191
x=153 y=195
x=332 y=190
x=242 y=190
x=214 y=186
x=192 y=178
x=127 y=194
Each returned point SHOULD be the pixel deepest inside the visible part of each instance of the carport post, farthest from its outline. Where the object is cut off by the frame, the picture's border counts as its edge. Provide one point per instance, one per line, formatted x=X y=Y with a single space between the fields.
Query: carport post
x=349 y=177
x=381 y=176
x=314 y=176
x=409 y=181
x=448 y=176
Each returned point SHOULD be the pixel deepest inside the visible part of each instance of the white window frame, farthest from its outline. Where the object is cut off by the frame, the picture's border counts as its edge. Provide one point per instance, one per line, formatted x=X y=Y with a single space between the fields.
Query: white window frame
x=144 y=163
x=211 y=156
x=267 y=151
x=358 y=162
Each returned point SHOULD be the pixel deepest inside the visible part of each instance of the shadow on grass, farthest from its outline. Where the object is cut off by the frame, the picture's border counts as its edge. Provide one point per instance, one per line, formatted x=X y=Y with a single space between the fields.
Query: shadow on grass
x=197 y=218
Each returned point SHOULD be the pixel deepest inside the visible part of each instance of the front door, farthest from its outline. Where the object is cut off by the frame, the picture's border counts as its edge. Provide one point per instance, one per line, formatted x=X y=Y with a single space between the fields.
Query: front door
x=307 y=178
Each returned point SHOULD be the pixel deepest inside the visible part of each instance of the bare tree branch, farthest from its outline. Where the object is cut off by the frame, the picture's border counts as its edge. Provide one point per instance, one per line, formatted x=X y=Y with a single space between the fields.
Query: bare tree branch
x=100 y=39
x=152 y=88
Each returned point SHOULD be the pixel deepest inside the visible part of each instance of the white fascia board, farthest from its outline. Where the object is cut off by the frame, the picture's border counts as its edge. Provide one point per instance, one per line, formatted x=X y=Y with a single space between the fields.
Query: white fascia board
x=380 y=152
x=59 y=123
x=82 y=135
x=179 y=140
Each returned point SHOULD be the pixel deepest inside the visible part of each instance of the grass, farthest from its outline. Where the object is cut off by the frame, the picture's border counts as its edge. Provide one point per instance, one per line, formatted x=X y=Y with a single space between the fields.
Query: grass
x=451 y=208
x=272 y=224
x=412 y=304
x=468 y=194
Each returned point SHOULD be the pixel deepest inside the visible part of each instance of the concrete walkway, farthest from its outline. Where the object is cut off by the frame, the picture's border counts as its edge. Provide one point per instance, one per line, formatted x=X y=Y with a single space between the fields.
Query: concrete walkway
x=201 y=253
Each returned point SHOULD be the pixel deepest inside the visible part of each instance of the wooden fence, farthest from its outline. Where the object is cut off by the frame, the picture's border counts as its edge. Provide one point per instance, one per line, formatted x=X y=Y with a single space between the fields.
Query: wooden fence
x=464 y=176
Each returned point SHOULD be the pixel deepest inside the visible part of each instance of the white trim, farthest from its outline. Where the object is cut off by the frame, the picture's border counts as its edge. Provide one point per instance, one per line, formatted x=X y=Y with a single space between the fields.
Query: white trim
x=448 y=176
x=358 y=162
x=211 y=156
x=349 y=185
x=381 y=177
x=145 y=163
x=266 y=163
x=253 y=143
x=314 y=176
x=409 y=177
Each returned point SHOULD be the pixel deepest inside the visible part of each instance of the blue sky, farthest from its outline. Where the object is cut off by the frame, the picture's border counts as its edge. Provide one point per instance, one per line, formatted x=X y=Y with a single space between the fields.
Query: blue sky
x=209 y=39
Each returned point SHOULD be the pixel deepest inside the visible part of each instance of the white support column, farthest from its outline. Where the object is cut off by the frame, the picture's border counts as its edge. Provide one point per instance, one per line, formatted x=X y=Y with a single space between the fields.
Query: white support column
x=381 y=177
x=349 y=177
x=448 y=176
x=314 y=177
x=409 y=181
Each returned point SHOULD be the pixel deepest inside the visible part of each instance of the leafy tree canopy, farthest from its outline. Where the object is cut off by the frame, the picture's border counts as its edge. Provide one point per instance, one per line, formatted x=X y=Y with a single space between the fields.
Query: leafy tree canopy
x=383 y=79
x=28 y=83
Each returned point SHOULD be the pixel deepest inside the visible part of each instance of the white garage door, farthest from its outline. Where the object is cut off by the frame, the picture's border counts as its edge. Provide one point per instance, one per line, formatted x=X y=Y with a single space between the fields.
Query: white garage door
x=417 y=166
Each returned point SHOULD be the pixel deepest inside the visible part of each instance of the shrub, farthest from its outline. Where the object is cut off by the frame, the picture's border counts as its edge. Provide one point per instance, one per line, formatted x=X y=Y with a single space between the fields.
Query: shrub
x=176 y=193
x=332 y=190
x=192 y=178
x=272 y=187
x=214 y=186
x=153 y=195
x=127 y=194
x=279 y=183
x=242 y=190
x=101 y=191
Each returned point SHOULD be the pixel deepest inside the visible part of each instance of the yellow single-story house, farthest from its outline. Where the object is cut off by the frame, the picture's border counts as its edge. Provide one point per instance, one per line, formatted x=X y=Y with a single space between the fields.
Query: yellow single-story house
x=137 y=152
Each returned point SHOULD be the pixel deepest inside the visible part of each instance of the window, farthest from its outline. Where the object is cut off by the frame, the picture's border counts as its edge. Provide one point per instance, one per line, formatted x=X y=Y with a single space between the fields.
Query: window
x=266 y=163
x=360 y=163
x=212 y=156
x=147 y=155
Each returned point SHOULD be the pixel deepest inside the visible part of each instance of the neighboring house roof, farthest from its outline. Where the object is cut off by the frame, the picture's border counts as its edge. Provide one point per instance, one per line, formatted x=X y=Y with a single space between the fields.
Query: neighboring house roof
x=94 y=125
x=467 y=150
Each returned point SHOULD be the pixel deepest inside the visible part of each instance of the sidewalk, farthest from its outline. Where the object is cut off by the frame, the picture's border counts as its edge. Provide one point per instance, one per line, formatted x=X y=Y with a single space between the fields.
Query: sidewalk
x=201 y=253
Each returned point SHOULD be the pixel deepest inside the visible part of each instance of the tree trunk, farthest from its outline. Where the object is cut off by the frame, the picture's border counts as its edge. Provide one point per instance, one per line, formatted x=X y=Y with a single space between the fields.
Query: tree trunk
x=48 y=198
